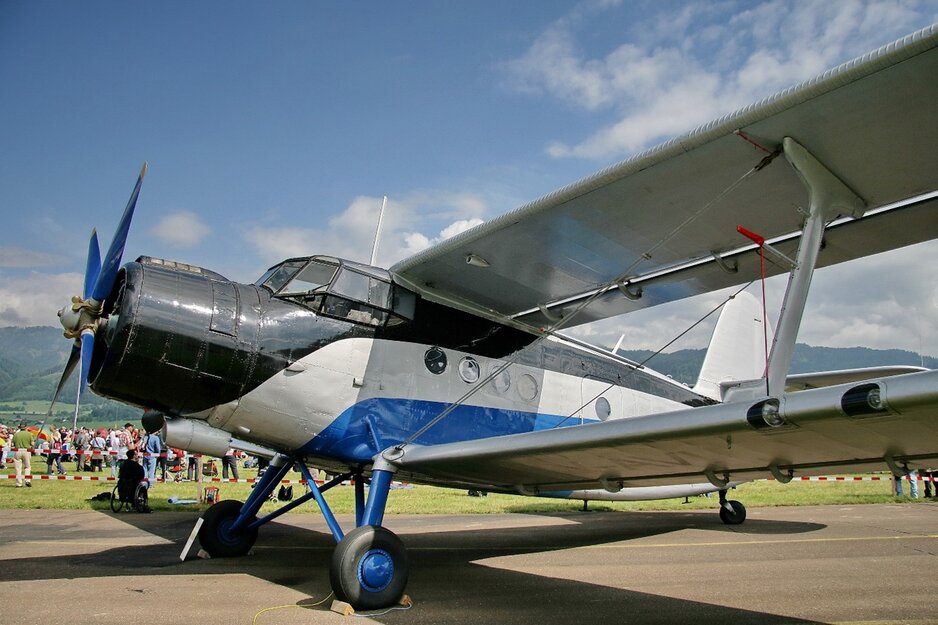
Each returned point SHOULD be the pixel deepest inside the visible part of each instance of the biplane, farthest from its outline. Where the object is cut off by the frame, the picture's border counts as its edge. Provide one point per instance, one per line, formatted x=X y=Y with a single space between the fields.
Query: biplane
x=452 y=367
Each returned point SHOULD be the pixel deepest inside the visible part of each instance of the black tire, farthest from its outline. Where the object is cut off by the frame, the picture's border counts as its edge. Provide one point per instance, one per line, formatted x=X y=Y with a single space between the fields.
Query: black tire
x=216 y=536
x=737 y=516
x=142 y=498
x=116 y=503
x=369 y=568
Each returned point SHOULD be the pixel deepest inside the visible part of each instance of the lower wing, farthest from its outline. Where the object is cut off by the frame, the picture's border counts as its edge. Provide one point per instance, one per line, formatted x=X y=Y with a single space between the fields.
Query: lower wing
x=877 y=423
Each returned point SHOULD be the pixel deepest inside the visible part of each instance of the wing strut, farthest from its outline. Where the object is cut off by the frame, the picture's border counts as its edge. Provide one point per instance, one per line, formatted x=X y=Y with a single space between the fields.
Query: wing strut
x=829 y=199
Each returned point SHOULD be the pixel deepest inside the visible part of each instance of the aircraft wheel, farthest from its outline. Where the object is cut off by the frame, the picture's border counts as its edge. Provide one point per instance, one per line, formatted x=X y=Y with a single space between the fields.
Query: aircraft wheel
x=369 y=568
x=216 y=536
x=737 y=516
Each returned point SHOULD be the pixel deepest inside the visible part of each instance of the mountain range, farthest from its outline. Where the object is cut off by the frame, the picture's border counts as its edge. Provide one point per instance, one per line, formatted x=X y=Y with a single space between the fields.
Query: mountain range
x=32 y=359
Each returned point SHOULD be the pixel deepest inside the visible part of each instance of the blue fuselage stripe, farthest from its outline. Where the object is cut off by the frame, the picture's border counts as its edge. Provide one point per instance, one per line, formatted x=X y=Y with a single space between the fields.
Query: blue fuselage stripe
x=348 y=437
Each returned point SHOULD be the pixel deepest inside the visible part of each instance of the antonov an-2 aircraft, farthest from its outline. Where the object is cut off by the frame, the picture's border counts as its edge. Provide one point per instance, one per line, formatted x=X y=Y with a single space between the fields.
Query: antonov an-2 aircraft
x=450 y=368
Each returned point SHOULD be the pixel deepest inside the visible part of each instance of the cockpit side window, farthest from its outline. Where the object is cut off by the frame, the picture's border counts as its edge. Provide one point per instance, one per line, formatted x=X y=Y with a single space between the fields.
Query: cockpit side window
x=359 y=298
x=360 y=287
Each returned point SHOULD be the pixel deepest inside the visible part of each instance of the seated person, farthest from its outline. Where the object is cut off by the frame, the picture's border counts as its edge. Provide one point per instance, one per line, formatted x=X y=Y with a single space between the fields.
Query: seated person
x=128 y=476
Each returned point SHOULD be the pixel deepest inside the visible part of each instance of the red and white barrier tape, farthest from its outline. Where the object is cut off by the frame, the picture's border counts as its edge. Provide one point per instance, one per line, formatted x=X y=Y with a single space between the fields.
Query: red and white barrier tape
x=858 y=478
x=253 y=480
x=102 y=478
x=99 y=452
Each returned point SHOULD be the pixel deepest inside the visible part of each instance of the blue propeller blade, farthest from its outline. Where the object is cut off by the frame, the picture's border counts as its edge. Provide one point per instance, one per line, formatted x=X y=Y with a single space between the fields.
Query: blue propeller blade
x=92 y=266
x=112 y=259
x=87 y=348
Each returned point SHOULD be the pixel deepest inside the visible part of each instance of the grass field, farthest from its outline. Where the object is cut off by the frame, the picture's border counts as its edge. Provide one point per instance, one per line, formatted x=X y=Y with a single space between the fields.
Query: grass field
x=41 y=407
x=55 y=494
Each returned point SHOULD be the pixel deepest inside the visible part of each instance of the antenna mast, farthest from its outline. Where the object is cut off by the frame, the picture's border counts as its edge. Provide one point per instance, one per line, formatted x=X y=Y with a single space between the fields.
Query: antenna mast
x=374 y=247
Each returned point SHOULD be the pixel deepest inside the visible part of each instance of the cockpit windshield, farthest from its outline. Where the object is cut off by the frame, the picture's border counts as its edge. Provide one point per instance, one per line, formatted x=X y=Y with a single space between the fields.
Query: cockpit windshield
x=298 y=276
x=278 y=275
x=310 y=278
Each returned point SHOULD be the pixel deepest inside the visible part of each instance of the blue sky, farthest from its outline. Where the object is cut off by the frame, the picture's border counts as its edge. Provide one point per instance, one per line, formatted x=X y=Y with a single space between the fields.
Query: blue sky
x=274 y=129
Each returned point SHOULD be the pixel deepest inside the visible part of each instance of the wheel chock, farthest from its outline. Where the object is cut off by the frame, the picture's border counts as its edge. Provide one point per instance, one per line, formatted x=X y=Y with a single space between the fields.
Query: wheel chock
x=345 y=609
x=340 y=607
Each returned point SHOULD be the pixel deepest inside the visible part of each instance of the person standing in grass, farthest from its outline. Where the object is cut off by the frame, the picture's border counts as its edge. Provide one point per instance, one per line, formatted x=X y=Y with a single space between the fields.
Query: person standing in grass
x=113 y=451
x=5 y=444
x=230 y=460
x=55 y=452
x=151 y=454
x=22 y=442
x=913 y=484
x=82 y=442
x=929 y=478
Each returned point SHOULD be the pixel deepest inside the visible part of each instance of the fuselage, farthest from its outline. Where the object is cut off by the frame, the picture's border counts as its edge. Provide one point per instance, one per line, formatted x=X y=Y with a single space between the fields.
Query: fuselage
x=332 y=361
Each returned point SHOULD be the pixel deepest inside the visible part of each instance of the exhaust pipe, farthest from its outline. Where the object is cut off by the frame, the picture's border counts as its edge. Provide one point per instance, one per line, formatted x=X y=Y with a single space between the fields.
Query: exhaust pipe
x=201 y=438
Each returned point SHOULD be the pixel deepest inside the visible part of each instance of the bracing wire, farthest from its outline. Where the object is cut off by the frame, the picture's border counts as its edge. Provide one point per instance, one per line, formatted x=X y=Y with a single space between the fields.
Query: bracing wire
x=552 y=329
x=660 y=349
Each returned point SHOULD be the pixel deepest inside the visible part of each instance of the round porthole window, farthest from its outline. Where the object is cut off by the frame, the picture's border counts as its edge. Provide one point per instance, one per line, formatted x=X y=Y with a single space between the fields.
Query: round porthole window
x=502 y=381
x=603 y=409
x=469 y=370
x=527 y=387
x=435 y=360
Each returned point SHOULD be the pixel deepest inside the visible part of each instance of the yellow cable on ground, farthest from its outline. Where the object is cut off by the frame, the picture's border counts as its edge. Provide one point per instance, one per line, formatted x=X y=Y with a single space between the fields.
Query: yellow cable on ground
x=291 y=605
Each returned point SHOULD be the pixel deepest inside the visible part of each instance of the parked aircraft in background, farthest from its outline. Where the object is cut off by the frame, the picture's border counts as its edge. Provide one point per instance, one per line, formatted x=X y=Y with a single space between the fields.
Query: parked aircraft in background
x=450 y=368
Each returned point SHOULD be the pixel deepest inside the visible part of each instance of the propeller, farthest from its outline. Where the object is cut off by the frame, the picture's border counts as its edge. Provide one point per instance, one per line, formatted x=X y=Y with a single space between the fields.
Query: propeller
x=82 y=317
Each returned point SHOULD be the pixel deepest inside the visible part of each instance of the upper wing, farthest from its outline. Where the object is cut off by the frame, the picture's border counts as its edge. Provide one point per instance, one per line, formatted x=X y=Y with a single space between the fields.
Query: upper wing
x=822 y=428
x=658 y=219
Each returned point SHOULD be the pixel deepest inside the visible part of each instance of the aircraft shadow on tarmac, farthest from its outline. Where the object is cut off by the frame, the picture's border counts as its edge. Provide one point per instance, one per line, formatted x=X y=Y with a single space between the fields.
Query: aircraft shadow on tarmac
x=447 y=581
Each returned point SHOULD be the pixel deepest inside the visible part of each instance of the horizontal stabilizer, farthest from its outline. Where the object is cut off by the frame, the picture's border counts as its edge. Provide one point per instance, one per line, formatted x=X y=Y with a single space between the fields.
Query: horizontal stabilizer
x=804 y=381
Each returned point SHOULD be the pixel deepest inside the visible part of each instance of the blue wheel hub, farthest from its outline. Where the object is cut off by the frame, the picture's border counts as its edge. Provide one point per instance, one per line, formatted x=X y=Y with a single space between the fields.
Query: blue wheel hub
x=224 y=532
x=375 y=570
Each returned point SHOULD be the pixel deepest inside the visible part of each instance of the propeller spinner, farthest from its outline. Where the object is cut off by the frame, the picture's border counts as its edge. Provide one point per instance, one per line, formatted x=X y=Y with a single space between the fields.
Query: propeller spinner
x=81 y=318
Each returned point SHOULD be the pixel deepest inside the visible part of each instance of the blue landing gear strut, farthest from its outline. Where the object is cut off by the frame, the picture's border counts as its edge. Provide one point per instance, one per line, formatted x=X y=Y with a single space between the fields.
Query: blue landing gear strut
x=369 y=567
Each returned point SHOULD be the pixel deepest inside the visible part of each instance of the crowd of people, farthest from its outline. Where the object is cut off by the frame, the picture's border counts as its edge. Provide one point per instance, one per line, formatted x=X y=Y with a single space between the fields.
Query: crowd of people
x=91 y=450
x=96 y=450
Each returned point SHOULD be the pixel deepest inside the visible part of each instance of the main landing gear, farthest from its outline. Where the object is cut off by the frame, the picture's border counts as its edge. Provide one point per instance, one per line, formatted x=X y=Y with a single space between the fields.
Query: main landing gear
x=369 y=567
x=731 y=511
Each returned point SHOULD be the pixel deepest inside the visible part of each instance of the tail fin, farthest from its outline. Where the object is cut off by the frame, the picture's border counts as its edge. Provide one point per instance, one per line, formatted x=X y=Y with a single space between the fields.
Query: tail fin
x=737 y=347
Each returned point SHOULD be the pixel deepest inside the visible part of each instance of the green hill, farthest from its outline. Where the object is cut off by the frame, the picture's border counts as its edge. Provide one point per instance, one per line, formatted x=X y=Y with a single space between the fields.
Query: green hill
x=684 y=365
x=31 y=363
x=32 y=359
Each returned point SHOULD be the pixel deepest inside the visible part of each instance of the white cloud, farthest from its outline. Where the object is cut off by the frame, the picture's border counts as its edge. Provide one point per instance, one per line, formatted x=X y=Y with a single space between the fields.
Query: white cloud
x=181 y=229
x=458 y=227
x=411 y=225
x=886 y=301
x=12 y=256
x=697 y=62
x=687 y=64
x=34 y=299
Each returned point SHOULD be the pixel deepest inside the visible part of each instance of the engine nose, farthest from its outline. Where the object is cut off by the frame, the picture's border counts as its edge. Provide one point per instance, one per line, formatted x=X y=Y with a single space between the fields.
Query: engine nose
x=79 y=315
x=169 y=343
